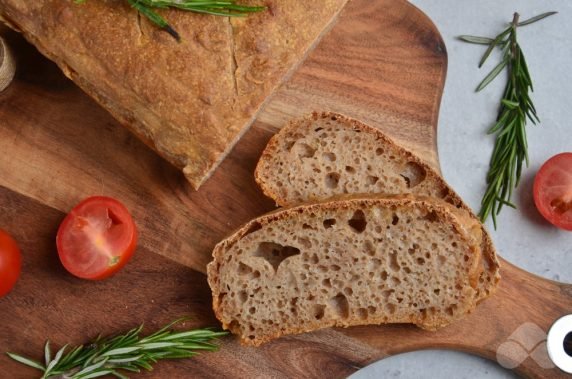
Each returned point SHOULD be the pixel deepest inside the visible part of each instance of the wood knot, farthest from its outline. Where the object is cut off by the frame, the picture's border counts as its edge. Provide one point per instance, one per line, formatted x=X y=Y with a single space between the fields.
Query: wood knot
x=7 y=65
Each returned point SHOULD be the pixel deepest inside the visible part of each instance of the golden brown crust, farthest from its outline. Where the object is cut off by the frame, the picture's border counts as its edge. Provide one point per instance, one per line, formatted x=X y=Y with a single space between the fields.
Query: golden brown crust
x=190 y=101
x=344 y=201
x=490 y=264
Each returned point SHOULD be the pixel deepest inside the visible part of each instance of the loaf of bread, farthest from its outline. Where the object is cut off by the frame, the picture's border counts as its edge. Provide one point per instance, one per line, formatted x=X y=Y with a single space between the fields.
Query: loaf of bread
x=192 y=100
x=327 y=154
x=344 y=262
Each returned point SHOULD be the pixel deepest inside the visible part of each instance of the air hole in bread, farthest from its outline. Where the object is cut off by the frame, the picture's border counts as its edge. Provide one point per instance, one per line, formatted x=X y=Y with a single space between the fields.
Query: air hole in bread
x=394 y=219
x=393 y=264
x=243 y=296
x=451 y=310
x=340 y=305
x=304 y=150
x=318 y=129
x=386 y=294
x=358 y=222
x=244 y=269
x=369 y=248
x=384 y=275
x=420 y=261
x=437 y=291
x=350 y=170
x=305 y=242
x=327 y=283
x=332 y=180
x=330 y=222
x=361 y=313
x=331 y=157
x=413 y=174
x=308 y=226
x=413 y=249
x=371 y=180
x=255 y=226
x=319 y=311
x=274 y=253
x=390 y=308
x=431 y=217
x=348 y=291
x=234 y=325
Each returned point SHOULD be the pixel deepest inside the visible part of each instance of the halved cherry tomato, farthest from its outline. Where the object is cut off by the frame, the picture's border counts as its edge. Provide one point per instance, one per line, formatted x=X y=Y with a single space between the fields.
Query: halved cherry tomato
x=96 y=238
x=10 y=263
x=553 y=190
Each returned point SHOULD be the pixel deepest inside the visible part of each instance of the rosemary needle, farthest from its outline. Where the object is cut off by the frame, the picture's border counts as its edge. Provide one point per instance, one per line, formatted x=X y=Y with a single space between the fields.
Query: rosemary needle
x=516 y=107
x=127 y=352
x=226 y=8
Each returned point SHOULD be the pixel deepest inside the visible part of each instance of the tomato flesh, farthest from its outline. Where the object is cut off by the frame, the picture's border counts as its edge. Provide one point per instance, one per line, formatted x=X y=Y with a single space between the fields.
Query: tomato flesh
x=553 y=190
x=97 y=238
x=10 y=263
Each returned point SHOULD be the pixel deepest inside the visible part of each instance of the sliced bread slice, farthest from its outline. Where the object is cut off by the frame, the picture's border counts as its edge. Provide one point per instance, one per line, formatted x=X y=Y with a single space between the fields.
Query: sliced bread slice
x=327 y=154
x=344 y=262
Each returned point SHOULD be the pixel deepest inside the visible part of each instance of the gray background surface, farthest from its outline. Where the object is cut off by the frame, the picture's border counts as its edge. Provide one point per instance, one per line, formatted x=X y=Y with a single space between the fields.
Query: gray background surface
x=523 y=237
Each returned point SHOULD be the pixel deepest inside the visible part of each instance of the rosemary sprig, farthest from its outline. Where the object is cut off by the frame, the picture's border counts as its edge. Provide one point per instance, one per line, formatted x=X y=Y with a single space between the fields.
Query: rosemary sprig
x=127 y=352
x=227 y=8
x=511 y=146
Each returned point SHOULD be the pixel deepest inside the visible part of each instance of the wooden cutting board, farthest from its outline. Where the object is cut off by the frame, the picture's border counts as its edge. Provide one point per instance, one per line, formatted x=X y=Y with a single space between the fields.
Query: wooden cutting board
x=384 y=63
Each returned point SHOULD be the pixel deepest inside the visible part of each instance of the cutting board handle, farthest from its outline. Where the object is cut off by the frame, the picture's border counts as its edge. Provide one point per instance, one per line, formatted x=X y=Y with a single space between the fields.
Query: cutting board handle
x=509 y=328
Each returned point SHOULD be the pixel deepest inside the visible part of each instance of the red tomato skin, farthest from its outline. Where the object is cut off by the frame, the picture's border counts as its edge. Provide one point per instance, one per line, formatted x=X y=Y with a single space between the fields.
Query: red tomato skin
x=10 y=263
x=67 y=223
x=562 y=161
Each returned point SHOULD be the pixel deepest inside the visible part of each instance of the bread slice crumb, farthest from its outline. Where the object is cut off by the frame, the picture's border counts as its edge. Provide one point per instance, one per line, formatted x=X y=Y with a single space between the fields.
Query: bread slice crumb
x=328 y=154
x=350 y=261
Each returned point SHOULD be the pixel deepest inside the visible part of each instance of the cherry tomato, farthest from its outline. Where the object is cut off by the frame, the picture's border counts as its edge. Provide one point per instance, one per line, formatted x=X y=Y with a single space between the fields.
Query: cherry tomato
x=10 y=263
x=97 y=238
x=553 y=190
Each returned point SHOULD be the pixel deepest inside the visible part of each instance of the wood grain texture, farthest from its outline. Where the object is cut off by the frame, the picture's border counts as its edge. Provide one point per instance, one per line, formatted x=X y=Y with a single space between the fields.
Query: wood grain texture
x=57 y=147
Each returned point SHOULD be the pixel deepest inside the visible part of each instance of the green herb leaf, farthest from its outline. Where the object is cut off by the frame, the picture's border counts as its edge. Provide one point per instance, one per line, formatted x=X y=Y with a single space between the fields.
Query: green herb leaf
x=476 y=40
x=128 y=352
x=492 y=75
x=536 y=18
x=26 y=361
x=511 y=146
x=226 y=8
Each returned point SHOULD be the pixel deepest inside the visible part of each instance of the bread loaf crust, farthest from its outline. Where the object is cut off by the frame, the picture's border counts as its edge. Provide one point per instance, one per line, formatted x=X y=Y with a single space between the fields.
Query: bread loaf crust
x=435 y=185
x=223 y=252
x=190 y=101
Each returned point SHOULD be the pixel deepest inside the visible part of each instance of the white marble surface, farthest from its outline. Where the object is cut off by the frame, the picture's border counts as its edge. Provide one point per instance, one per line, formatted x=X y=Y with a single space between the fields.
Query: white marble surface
x=523 y=237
